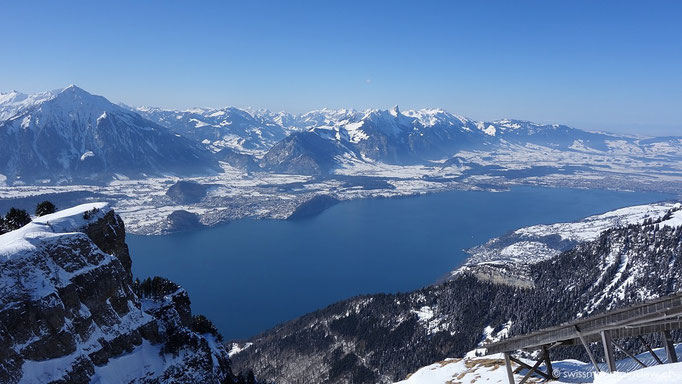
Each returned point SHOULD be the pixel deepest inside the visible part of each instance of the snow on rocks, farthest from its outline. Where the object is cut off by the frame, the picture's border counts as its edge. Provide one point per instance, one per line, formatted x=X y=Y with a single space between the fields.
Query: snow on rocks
x=539 y=242
x=66 y=221
x=70 y=312
x=237 y=348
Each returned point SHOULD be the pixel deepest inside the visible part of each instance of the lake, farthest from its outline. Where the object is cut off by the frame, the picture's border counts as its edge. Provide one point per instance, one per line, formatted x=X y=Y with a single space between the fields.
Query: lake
x=250 y=275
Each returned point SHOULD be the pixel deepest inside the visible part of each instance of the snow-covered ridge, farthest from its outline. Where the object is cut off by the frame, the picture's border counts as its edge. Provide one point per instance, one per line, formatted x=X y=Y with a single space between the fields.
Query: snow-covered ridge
x=20 y=250
x=539 y=242
x=339 y=124
x=62 y=222
x=14 y=102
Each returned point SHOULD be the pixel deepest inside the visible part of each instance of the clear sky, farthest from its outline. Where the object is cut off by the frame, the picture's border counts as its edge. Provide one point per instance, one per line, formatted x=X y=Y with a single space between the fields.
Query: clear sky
x=598 y=65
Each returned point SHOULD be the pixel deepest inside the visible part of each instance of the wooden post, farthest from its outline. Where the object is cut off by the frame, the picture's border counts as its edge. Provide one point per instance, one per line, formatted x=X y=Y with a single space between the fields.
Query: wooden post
x=648 y=348
x=587 y=348
x=669 y=347
x=608 y=351
x=533 y=371
x=507 y=363
x=548 y=361
x=630 y=355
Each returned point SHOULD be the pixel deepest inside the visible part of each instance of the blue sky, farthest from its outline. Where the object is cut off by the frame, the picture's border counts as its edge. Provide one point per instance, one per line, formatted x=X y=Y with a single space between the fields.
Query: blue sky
x=596 y=65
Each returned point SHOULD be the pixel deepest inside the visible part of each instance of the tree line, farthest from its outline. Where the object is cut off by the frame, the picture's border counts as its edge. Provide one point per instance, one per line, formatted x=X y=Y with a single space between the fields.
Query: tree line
x=16 y=218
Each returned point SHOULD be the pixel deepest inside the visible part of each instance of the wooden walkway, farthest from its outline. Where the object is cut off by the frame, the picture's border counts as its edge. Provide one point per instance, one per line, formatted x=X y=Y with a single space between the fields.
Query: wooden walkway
x=656 y=316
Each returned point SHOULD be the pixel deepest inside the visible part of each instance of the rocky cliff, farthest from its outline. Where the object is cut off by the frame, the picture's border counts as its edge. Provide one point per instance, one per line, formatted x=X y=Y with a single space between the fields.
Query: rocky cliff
x=71 y=313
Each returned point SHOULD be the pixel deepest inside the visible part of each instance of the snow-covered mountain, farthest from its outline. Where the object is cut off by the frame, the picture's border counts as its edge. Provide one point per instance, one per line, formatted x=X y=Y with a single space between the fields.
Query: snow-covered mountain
x=70 y=134
x=508 y=255
x=71 y=313
x=237 y=129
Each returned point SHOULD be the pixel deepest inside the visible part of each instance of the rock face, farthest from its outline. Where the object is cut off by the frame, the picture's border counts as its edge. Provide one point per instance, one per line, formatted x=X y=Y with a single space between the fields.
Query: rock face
x=382 y=338
x=69 y=312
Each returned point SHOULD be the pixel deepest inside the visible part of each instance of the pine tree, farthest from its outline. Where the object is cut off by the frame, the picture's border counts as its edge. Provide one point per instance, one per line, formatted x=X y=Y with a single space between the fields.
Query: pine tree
x=2 y=225
x=45 y=208
x=250 y=378
x=16 y=218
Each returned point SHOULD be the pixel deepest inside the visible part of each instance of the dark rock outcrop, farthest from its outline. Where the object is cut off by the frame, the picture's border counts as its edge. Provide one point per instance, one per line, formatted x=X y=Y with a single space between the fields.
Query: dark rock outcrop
x=313 y=207
x=187 y=192
x=183 y=221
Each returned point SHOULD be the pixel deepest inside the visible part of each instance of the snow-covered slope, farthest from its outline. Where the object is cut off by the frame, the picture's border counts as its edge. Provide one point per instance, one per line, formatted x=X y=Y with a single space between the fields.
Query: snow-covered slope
x=539 y=242
x=13 y=103
x=491 y=370
x=69 y=134
x=391 y=136
x=237 y=129
x=70 y=311
x=507 y=259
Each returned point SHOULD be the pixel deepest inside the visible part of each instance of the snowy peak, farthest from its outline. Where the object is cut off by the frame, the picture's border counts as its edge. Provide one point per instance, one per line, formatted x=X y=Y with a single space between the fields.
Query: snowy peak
x=70 y=100
x=14 y=102
x=70 y=134
x=76 y=103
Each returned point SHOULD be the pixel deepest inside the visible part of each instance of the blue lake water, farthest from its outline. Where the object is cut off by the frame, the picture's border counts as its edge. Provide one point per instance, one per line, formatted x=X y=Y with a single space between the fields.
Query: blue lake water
x=250 y=275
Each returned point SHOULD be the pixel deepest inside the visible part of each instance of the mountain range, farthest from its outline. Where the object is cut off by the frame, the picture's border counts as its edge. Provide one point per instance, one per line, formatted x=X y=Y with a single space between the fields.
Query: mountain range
x=70 y=135
x=320 y=141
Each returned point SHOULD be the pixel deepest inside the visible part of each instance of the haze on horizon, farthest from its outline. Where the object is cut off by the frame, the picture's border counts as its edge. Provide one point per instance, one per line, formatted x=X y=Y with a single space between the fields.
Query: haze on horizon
x=612 y=66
